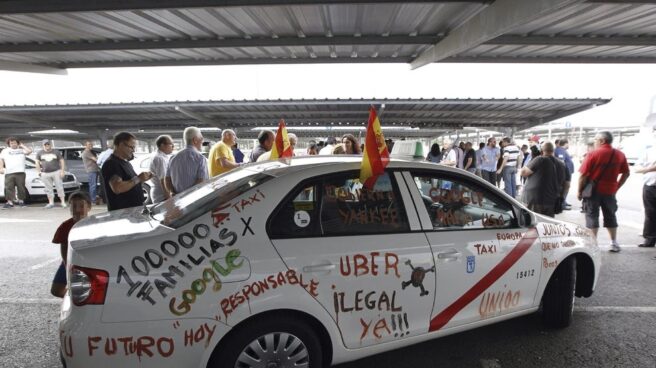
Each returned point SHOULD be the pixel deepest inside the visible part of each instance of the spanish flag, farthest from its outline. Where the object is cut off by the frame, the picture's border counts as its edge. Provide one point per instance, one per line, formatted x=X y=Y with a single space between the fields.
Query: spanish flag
x=281 y=147
x=376 y=156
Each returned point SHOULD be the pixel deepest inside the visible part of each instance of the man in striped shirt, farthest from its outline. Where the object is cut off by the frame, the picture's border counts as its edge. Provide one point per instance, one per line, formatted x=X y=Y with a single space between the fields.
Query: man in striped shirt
x=188 y=167
x=509 y=166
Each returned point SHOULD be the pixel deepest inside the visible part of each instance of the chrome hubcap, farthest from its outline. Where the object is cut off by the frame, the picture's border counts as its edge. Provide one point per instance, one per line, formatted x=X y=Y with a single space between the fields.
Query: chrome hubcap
x=274 y=350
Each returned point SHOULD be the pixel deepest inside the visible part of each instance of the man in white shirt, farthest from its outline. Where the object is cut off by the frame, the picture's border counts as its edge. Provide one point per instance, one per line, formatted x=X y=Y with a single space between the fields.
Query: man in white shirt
x=451 y=156
x=509 y=166
x=12 y=164
x=158 y=165
x=330 y=145
x=648 y=168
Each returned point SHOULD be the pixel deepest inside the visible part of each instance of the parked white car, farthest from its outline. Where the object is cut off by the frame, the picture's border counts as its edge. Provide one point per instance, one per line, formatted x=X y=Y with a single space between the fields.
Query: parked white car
x=281 y=264
x=34 y=185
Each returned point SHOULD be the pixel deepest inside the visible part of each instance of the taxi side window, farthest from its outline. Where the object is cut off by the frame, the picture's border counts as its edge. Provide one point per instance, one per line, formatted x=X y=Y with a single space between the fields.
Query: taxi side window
x=348 y=208
x=338 y=205
x=454 y=205
x=298 y=217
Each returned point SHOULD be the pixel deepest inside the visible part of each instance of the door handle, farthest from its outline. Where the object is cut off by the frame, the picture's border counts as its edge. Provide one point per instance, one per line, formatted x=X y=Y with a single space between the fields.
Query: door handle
x=450 y=254
x=326 y=267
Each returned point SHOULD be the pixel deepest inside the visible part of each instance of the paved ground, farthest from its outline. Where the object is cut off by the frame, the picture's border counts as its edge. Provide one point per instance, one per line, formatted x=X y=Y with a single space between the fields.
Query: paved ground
x=614 y=328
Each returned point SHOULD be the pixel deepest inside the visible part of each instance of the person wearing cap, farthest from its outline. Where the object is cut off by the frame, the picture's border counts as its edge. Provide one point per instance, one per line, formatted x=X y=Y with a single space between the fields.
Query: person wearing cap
x=12 y=164
x=221 y=158
x=51 y=168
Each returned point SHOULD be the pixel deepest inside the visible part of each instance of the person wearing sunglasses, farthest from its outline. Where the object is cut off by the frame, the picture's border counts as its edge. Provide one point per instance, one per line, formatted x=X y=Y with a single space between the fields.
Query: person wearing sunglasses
x=122 y=184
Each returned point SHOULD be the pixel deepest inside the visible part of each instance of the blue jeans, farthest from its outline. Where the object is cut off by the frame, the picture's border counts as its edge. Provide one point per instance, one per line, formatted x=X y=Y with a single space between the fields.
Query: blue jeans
x=93 y=186
x=509 y=174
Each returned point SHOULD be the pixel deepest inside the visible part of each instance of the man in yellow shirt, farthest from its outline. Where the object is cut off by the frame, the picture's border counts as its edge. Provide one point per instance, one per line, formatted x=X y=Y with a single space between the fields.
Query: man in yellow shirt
x=221 y=158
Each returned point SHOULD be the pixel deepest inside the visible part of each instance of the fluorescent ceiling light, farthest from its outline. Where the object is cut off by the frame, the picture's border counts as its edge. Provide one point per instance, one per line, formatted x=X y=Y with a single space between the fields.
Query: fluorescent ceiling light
x=55 y=131
x=324 y=128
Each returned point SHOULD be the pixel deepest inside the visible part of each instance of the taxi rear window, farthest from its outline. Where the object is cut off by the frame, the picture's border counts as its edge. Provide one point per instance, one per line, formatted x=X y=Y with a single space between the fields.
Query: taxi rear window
x=199 y=199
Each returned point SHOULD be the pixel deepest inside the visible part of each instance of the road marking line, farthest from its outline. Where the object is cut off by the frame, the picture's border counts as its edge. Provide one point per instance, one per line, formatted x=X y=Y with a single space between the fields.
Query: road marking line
x=43 y=264
x=616 y=309
x=9 y=220
x=29 y=301
x=631 y=224
x=490 y=363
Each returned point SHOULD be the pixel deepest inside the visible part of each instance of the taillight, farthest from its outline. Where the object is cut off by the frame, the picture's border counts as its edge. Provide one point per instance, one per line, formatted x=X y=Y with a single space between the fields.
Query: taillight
x=88 y=285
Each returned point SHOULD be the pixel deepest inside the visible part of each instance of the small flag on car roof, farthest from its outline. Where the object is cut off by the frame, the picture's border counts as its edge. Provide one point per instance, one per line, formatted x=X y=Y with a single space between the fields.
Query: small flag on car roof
x=376 y=156
x=281 y=147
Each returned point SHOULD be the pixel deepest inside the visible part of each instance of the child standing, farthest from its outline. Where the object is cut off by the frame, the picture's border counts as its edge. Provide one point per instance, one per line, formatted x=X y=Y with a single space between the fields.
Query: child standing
x=80 y=204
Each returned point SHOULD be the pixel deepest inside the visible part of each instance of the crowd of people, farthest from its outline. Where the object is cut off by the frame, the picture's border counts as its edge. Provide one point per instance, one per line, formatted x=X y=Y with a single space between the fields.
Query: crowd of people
x=546 y=177
x=545 y=170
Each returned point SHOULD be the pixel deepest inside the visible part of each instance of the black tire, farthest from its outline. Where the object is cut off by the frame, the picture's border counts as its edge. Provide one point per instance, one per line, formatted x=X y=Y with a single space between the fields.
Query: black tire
x=146 y=191
x=558 y=298
x=286 y=328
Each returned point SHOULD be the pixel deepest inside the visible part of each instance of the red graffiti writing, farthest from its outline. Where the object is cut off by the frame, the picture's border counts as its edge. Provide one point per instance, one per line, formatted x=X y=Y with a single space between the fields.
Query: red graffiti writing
x=202 y=333
x=549 y=264
x=546 y=246
x=66 y=343
x=370 y=215
x=248 y=201
x=453 y=218
x=218 y=217
x=556 y=229
x=368 y=264
x=449 y=196
x=494 y=303
x=334 y=193
x=140 y=346
x=395 y=323
x=231 y=303
x=489 y=220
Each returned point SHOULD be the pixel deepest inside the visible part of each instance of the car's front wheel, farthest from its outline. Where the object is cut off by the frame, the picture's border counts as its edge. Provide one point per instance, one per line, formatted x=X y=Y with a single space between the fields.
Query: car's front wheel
x=283 y=342
x=146 y=192
x=558 y=298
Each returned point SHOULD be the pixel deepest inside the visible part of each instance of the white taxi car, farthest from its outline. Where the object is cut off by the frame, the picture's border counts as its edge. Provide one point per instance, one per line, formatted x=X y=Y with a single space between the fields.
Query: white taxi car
x=281 y=264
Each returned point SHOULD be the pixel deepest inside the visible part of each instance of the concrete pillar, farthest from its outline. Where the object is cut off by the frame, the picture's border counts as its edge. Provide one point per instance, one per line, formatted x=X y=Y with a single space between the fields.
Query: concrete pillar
x=103 y=136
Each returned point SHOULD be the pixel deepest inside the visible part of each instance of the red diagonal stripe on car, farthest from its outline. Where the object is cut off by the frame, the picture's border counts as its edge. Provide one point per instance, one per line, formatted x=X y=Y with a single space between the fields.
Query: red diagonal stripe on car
x=445 y=316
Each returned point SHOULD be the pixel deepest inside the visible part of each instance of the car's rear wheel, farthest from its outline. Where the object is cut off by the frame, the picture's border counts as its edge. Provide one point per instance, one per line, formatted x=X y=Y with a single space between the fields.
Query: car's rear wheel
x=283 y=342
x=558 y=298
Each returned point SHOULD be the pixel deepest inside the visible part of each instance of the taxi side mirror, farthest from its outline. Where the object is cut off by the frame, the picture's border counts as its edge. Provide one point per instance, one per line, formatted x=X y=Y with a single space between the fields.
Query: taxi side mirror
x=525 y=218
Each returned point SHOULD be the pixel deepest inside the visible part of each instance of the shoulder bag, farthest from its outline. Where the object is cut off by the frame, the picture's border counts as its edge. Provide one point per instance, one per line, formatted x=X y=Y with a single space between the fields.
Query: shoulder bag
x=589 y=188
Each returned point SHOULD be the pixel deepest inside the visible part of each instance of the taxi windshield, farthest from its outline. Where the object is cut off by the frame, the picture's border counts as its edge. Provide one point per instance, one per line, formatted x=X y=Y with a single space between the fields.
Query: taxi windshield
x=201 y=198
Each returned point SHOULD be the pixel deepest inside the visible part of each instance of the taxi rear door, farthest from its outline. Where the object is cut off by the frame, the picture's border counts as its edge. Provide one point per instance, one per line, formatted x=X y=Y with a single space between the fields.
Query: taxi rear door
x=364 y=250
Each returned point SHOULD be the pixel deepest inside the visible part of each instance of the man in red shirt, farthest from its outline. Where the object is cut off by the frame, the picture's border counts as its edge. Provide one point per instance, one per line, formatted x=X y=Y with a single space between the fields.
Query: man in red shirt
x=603 y=165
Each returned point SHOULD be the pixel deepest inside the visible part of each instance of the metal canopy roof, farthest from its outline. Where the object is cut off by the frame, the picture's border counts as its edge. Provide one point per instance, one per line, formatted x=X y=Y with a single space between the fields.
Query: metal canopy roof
x=306 y=118
x=47 y=36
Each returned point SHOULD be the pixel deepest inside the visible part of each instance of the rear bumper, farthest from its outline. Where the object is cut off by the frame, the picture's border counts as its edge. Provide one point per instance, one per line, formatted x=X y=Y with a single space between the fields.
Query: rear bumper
x=86 y=342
